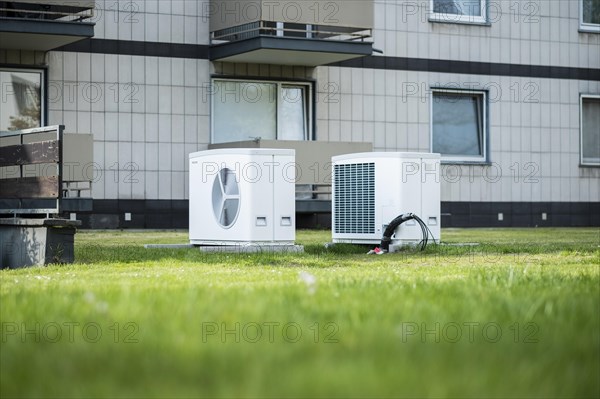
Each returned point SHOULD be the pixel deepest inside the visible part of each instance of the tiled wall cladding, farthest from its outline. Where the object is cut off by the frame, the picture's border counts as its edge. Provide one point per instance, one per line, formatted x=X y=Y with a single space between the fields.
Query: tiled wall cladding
x=538 y=32
x=148 y=113
x=162 y=21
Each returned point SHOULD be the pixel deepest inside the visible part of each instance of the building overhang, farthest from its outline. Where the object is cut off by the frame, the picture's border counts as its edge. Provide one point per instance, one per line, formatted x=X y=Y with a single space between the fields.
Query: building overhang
x=31 y=34
x=289 y=51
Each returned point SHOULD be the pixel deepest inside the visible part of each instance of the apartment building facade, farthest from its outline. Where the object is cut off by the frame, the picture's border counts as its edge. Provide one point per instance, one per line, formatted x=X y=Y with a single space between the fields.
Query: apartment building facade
x=508 y=92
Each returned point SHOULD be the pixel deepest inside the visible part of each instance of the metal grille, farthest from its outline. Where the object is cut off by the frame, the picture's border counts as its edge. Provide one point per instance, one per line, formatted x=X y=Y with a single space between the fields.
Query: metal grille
x=354 y=198
x=241 y=32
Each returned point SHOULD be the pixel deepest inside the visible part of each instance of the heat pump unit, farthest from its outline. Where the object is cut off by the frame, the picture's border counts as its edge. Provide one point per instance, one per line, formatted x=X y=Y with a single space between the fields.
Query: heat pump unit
x=242 y=196
x=371 y=189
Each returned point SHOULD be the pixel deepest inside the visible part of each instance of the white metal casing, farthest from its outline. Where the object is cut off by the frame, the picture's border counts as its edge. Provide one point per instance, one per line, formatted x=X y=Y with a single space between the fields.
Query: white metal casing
x=242 y=196
x=371 y=189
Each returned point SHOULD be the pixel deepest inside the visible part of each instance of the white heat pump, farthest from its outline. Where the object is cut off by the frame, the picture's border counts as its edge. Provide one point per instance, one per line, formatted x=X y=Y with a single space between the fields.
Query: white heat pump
x=371 y=189
x=242 y=196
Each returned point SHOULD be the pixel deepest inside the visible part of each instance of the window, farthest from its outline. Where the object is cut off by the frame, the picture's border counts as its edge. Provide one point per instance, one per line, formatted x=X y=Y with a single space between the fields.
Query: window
x=459 y=125
x=247 y=110
x=21 y=102
x=465 y=11
x=589 y=15
x=590 y=130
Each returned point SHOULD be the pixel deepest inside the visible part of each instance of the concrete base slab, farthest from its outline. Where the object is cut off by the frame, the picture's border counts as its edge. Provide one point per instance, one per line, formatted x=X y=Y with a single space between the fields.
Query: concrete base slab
x=168 y=246
x=253 y=249
x=393 y=247
x=233 y=249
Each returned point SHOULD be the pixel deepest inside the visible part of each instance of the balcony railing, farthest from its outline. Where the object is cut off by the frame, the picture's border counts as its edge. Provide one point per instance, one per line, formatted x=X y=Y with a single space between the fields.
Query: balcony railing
x=54 y=11
x=290 y=30
x=45 y=25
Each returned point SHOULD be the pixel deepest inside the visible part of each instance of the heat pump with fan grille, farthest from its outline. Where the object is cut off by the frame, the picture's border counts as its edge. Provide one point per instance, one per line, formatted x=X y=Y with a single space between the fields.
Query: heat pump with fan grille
x=242 y=196
x=371 y=189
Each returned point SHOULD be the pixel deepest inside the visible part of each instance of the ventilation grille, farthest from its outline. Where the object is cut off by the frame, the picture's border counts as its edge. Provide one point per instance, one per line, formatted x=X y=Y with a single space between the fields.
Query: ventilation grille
x=354 y=198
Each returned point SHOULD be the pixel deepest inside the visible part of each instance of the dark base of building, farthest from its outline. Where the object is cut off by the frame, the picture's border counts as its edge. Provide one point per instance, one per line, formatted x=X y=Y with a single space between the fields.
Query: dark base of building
x=167 y=214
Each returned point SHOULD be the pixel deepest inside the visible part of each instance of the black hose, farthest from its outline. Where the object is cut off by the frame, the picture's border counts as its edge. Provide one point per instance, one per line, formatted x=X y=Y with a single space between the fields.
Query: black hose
x=389 y=231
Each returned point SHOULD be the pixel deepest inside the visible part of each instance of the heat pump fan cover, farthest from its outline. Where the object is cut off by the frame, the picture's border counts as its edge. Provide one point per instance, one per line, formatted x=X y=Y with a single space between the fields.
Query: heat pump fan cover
x=226 y=198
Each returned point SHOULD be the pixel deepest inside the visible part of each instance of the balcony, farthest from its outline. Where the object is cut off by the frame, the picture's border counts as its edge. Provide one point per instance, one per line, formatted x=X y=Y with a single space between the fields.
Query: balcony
x=304 y=33
x=44 y=26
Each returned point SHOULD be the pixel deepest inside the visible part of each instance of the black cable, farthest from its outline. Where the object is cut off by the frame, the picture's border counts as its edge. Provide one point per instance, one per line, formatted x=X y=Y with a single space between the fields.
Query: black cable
x=423 y=233
x=428 y=230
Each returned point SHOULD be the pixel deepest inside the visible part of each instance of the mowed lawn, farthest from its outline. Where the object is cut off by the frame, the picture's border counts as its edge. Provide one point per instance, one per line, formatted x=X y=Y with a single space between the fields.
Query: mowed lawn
x=517 y=316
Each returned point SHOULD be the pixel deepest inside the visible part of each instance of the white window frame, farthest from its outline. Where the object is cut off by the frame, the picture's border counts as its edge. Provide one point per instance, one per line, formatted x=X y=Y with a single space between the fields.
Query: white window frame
x=483 y=158
x=461 y=19
x=308 y=131
x=581 y=99
x=42 y=73
x=586 y=27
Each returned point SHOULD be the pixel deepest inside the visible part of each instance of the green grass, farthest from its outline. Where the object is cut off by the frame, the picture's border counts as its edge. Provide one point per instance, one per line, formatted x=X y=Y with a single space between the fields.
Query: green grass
x=517 y=316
